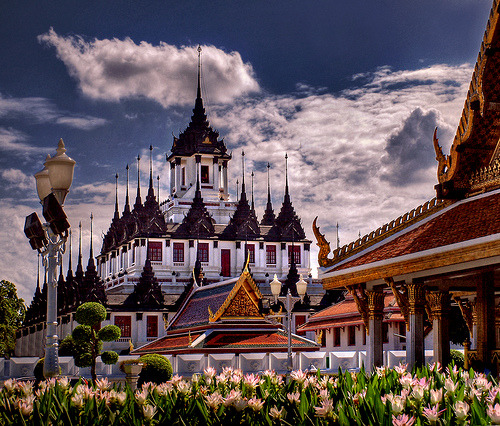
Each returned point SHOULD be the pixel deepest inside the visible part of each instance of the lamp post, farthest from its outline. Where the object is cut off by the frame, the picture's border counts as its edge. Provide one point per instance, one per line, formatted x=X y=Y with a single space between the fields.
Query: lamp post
x=289 y=301
x=52 y=184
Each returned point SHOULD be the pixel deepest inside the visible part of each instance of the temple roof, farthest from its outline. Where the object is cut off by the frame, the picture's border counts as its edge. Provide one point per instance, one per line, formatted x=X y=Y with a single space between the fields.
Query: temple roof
x=450 y=236
x=346 y=313
x=476 y=143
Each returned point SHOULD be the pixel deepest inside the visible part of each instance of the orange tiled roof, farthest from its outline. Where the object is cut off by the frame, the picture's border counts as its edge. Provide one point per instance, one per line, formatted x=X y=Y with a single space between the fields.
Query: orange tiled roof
x=466 y=220
x=171 y=342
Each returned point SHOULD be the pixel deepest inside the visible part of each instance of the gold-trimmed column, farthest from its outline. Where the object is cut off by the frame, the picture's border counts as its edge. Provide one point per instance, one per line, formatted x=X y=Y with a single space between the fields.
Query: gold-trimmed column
x=415 y=355
x=439 y=303
x=375 y=346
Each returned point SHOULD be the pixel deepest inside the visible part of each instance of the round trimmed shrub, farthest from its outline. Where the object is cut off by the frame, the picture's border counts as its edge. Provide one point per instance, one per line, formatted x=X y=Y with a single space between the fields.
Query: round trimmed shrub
x=457 y=357
x=82 y=334
x=156 y=369
x=83 y=360
x=109 y=333
x=90 y=313
x=109 y=357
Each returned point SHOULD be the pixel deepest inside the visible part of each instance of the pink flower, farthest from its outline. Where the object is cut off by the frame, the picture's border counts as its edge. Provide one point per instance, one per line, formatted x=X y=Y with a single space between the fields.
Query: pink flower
x=251 y=380
x=149 y=411
x=325 y=408
x=403 y=420
x=141 y=397
x=299 y=376
x=401 y=368
x=275 y=413
x=432 y=414
x=210 y=372
x=494 y=413
x=450 y=386
x=436 y=396
x=406 y=380
x=461 y=410
x=255 y=404
x=214 y=400
x=294 y=397
x=232 y=397
x=103 y=384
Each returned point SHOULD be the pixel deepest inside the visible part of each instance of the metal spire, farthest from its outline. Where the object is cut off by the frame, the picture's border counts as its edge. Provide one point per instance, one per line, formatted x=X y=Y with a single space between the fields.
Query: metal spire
x=91 y=255
x=198 y=93
x=117 y=214
x=150 y=166
x=286 y=173
x=253 y=205
x=80 y=244
x=126 y=210
x=158 y=178
x=70 y=250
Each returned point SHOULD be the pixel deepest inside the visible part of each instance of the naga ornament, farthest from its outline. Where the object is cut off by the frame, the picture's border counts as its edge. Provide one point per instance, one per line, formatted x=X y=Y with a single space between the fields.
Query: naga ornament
x=324 y=247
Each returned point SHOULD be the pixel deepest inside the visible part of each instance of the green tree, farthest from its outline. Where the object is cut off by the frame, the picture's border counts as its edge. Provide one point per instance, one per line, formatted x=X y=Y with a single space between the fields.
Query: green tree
x=85 y=343
x=12 y=310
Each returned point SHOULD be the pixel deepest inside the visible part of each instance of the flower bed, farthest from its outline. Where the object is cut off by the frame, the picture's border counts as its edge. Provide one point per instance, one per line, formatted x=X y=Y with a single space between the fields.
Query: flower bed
x=386 y=397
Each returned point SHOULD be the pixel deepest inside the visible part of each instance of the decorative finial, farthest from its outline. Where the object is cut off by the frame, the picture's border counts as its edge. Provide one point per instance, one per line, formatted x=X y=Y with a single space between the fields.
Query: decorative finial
x=117 y=215
x=151 y=166
x=80 y=243
x=158 y=179
x=286 y=173
x=237 y=190
x=199 y=73
x=70 y=249
x=91 y=248
x=126 y=210
x=253 y=205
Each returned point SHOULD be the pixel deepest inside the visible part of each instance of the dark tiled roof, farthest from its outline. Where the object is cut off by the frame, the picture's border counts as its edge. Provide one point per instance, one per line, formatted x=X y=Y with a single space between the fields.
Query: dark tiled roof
x=195 y=312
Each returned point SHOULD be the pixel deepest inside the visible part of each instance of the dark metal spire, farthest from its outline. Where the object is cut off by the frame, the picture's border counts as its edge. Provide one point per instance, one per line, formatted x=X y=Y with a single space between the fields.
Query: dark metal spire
x=198 y=93
x=158 y=179
x=252 y=204
x=268 y=218
x=126 y=210
x=91 y=254
x=138 y=201
x=150 y=167
x=286 y=174
x=117 y=214
x=70 y=267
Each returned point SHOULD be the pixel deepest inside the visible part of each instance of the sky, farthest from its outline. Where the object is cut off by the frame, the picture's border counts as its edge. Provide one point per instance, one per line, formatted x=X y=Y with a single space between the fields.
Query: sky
x=352 y=91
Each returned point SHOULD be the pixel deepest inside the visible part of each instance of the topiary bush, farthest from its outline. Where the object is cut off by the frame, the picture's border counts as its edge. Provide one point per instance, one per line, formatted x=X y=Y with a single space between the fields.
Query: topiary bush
x=86 y=344
x=90 y=313
x=457 y=358
x=156 y=369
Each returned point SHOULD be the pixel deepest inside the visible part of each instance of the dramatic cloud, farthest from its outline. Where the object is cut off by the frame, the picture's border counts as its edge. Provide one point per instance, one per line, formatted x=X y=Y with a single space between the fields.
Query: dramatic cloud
x=408 y=149
x=44 y=111
x=361 y=157
x=119 y=69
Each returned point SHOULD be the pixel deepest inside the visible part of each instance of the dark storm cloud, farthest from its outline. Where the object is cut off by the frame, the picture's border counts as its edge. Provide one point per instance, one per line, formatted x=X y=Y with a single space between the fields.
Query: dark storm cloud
x=409 y=150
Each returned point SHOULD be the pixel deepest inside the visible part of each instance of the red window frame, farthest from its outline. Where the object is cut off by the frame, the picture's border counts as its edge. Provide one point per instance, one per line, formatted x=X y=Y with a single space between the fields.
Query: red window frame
x=296 y=254
x=336 y=336
x=151 y=326
x=178 y=252
x=351 y=335
x=271 y=255
x=124 y=322
x=250 y=250
x=203 y=252
x=155 y=251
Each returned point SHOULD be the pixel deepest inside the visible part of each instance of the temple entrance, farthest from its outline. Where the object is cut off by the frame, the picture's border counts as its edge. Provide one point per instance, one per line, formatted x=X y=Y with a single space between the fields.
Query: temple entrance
x=225 y=260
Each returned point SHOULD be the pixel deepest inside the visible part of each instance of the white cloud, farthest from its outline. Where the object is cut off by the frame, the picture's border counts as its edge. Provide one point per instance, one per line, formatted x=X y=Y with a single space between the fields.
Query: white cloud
x=16 y=178
x=43 y=110
x=14 y=142
x=119 y=69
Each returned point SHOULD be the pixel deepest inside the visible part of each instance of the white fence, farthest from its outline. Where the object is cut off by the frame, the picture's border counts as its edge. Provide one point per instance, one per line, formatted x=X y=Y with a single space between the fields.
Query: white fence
x=188 y=364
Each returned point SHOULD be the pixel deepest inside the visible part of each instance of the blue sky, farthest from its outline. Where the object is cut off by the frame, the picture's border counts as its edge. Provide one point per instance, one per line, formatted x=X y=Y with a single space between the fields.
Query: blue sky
x=351 y=90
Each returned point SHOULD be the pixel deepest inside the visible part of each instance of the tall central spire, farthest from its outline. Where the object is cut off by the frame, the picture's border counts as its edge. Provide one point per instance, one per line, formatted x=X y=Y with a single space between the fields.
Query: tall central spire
x=198 y=93
x=268 y=218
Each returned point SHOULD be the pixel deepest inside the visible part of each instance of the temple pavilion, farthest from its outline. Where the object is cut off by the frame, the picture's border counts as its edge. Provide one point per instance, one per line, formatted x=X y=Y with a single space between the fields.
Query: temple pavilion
x=446 y=251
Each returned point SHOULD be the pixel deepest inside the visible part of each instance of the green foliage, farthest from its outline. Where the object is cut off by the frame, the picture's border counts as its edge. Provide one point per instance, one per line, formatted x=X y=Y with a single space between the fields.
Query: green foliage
x=384 y=397
x=109 y=333
x=82 y=333
x=86 y=342
x=12 y=311
x=156 y=369
x=90 y=313
x=457 y=358
x=109 y=357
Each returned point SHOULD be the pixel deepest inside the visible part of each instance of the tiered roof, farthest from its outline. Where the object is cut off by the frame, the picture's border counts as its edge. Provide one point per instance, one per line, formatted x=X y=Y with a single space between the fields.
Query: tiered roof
x=223 y=317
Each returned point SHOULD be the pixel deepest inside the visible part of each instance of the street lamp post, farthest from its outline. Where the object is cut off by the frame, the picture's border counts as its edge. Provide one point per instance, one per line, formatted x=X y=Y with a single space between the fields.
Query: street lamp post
x=289 y=302
x=52 y=183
